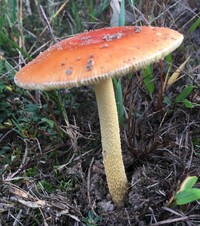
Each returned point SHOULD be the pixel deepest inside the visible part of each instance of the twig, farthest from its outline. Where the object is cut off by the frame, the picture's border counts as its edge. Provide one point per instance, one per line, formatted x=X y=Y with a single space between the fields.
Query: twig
x=128 y=217
x=141 y=14
x=17 y=219
x=88 y=186
x=47 y=22
x=24 y=159
x=6 y=134
x=170 y=221
x=164 y=12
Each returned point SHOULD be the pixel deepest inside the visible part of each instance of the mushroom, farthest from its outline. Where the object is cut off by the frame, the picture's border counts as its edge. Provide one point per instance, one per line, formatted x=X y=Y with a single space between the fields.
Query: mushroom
x=93 y=58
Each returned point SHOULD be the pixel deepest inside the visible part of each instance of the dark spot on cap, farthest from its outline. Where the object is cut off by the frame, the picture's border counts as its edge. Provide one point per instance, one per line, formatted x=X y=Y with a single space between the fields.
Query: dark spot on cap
x=90 y=63
x=69 y=71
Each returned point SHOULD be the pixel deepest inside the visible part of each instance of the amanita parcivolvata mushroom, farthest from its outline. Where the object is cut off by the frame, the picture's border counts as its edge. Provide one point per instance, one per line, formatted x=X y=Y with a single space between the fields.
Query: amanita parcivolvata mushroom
x=93 y=58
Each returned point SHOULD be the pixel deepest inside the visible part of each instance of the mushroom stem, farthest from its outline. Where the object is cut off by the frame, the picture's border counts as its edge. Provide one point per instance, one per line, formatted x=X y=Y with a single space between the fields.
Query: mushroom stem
x=110 y=138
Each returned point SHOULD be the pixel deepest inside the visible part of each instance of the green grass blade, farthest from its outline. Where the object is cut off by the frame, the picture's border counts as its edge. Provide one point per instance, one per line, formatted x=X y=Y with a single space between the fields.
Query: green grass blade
x=168 y=59
x=147 y=73
x=122 y=14
x=195 y=25
x=119 y=100
x=185 y=93
x=119 y=21
x=131 y=2
x=13 y=10
x=14 y=44
x=55 y=96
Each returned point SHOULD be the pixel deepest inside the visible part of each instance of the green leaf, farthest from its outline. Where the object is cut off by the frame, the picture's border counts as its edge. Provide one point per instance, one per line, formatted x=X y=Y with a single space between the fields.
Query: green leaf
x=45 y=185
x=10 y=68
x=147 y=73
x=32 y=108
x=1 y=66
x=2 y=86
x=185 y=92
x=91 y=220
x=48 y=121
x=188 y=104
x=187 y=196
x=167 y=100
x=189 y=182
x=168 y=59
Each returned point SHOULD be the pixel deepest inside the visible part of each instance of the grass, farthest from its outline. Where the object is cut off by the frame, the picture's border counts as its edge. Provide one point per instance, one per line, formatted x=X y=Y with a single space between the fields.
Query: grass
x=50 y=158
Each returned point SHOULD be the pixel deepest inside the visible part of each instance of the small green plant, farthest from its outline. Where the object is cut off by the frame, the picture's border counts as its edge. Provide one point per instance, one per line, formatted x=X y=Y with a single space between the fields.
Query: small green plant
x=91 y=220
x=186 y=193
x=31 y=172
x=182 y=97
x=6 y=90
x=45 y=185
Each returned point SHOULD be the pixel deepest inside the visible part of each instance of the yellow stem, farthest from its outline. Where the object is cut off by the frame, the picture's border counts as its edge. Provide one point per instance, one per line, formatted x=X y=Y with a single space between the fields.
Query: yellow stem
x=110 y=137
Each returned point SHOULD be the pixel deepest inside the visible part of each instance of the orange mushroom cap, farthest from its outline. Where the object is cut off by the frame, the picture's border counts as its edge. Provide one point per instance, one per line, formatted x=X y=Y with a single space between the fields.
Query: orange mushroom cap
x=93 y=56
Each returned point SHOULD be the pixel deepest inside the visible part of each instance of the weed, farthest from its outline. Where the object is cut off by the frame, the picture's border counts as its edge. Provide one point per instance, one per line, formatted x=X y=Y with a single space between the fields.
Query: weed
x=44 y=185
x=91 y=220
x=31 y=172
x=186 y=193
x=184 y=94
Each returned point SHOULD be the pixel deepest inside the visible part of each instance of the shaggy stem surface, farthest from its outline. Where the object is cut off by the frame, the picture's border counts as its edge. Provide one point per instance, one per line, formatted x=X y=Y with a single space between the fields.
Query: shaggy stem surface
x=111 y=145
